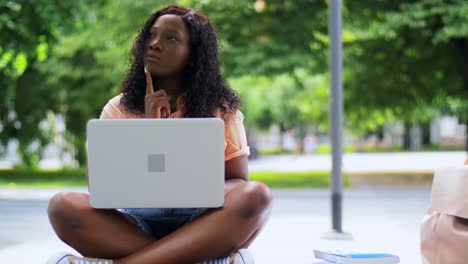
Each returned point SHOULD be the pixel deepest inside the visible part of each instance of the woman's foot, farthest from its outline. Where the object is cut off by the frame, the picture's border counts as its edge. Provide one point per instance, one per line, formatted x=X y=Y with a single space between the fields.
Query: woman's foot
x=66 y=258
x=241 y=256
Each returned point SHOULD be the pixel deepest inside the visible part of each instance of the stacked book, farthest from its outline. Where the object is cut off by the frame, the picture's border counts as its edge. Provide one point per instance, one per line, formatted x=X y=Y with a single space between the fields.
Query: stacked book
x=351 y=257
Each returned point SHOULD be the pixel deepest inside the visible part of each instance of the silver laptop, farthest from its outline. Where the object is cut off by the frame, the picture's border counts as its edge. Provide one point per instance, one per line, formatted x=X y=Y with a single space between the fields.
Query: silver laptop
x=156 y=163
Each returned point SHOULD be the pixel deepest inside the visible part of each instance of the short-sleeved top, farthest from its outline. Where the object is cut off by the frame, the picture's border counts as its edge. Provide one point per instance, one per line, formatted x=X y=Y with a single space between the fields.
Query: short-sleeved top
x=235 y=140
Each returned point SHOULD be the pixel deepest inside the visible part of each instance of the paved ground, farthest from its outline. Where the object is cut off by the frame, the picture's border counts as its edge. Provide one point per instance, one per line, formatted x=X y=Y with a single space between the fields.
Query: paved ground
x=383 y=219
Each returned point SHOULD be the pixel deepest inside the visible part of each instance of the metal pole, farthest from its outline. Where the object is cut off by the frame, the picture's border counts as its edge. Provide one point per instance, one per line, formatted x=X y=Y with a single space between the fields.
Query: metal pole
x=336 y=110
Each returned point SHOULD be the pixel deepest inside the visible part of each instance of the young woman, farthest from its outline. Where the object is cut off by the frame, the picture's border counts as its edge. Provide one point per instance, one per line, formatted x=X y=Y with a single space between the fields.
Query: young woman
x=174 y=74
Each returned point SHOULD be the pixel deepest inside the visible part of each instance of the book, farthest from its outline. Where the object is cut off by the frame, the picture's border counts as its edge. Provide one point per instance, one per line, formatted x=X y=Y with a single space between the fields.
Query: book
x=352 y=257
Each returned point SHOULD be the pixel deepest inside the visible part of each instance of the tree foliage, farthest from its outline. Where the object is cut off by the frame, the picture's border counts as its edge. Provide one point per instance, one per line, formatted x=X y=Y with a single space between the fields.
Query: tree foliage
x=408 y=59
x=28 y=30
x=404 y=60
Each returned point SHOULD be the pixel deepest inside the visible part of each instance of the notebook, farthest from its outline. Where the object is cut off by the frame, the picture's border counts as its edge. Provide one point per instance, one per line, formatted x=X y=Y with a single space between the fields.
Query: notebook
x=353 y=257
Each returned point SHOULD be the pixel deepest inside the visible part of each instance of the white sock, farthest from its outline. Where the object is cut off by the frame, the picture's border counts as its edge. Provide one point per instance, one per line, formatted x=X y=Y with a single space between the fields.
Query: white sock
x=223 y=260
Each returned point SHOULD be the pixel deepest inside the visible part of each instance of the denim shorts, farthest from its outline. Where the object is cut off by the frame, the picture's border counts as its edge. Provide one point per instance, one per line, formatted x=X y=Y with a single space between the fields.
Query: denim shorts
x=160 y=222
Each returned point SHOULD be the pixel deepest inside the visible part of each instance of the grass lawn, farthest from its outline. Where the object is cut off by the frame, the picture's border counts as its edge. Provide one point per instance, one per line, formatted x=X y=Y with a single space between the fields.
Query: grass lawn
x=308 y=179
x=76 y=177
x=42 y=178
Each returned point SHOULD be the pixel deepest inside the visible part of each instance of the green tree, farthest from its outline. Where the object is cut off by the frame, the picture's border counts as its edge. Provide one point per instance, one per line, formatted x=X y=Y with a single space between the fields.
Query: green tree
x=87 y=66
x=270 y=37
x=270 y=48
x=28 y=29
x=408 y=59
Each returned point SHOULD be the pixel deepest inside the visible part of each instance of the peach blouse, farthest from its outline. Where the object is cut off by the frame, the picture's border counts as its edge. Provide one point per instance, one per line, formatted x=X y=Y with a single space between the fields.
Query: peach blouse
x=235 y=140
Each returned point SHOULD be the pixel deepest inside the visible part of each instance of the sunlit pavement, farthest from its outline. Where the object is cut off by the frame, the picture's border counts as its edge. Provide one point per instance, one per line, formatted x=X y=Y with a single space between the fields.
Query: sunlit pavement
x=379 y=219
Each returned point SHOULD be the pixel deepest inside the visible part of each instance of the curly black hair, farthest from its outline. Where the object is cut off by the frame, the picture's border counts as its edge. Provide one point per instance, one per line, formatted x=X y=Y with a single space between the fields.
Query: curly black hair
x=203 y=84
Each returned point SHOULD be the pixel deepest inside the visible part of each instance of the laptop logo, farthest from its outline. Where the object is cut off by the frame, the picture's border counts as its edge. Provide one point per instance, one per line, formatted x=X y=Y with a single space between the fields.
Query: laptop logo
x=156 y=163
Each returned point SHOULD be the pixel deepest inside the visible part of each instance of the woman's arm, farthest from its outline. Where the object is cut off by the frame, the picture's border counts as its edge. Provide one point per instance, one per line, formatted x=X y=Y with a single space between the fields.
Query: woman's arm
x=235 y=171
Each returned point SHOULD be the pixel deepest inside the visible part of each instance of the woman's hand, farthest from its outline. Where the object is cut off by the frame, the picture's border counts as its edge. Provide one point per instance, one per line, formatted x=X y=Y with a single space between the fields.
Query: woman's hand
x=179 y=106
x=156 y=103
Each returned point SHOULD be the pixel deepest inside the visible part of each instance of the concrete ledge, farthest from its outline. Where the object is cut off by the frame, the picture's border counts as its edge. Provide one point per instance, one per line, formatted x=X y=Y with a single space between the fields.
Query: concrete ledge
x=392 y=178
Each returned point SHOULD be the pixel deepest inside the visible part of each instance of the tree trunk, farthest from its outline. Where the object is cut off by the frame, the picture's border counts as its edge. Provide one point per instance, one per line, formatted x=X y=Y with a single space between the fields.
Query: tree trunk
x=407 y=136
x=466 y=134
x=460 y=47
x=426 y=133
x=29 y=159
x=80 y=151
x=252 y=142
x=282 y=131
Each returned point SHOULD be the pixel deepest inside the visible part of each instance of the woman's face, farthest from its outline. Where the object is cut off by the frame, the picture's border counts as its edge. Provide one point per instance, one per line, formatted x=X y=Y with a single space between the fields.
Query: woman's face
x=167 y=48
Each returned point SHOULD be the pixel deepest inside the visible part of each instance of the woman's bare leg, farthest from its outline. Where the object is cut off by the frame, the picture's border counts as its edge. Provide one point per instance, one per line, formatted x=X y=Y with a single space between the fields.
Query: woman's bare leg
x=93 y=232
x=108 y=234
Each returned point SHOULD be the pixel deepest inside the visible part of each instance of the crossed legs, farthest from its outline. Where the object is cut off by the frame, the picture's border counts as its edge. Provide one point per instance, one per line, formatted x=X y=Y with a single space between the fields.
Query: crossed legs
x=112 y=235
